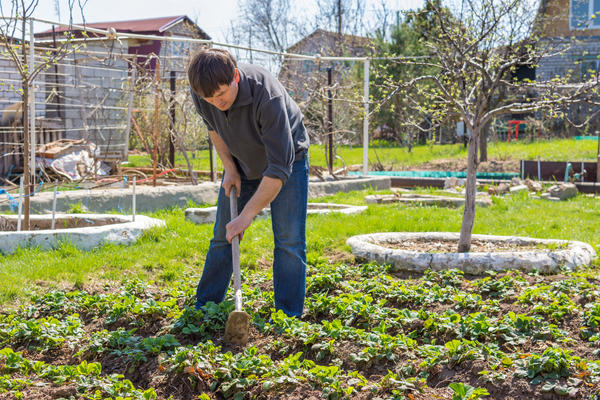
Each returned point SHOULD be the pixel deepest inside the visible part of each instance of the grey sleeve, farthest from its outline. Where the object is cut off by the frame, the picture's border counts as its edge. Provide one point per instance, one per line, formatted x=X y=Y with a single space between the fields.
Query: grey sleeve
x=196 y=100
x=276 y=135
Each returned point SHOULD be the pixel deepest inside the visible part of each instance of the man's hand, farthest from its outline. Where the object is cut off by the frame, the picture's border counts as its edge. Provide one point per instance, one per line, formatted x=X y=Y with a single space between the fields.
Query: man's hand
x=232 y=178
x=237 y=226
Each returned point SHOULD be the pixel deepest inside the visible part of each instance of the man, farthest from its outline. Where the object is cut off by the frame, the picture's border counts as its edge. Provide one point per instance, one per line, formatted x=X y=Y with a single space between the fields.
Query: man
x=258 y=133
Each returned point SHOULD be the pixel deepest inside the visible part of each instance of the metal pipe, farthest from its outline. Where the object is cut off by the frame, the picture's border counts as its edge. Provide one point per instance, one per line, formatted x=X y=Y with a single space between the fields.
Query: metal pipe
x=130 y=108
x=539 y=163
x=133 y=200
x=54 y=206
x=522 y=169
x=58 y=110
x=568 y=168
x=582 y=171
x=155 y=133
x=20 y=204
x=172 y=83
x=598 y=159
x=366 y=120
x=330 y=120
x=31 y=102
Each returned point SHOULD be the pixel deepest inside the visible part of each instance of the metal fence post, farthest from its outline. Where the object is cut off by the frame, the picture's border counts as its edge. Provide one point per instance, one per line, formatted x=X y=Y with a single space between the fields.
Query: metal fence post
x=366 y=120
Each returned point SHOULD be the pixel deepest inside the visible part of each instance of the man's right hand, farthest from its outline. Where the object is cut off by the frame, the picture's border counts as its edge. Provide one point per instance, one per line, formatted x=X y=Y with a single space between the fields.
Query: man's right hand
x=232 y=178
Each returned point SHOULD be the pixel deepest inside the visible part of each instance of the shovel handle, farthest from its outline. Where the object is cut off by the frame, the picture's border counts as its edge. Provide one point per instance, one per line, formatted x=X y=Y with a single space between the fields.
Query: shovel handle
x=235 y=253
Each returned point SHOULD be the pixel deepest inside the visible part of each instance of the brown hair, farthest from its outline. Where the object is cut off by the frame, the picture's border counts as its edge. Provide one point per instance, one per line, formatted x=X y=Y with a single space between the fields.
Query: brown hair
x=209 y=69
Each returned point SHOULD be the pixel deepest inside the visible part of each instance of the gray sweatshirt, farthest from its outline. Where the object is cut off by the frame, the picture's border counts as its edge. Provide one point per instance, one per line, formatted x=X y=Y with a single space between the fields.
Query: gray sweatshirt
x=263 y=128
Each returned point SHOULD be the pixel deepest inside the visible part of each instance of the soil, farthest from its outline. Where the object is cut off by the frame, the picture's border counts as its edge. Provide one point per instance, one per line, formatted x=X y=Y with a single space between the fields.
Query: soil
x=183 y=386
x=460 y=164
x=451 y=164
x=439 y=246
x=7 y=225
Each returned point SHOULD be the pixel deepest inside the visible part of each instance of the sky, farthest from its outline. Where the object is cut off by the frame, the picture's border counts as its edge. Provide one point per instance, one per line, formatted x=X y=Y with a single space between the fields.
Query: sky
x=213 y=16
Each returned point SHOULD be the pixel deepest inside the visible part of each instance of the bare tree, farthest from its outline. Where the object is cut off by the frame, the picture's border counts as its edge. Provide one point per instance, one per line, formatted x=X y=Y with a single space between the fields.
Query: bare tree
x=341 y=16
x=478 y=48
x=267 y=24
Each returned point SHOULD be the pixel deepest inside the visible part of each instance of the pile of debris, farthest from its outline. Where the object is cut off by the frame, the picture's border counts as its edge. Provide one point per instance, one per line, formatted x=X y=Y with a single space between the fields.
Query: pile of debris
x=73 y=160
x=557 y=192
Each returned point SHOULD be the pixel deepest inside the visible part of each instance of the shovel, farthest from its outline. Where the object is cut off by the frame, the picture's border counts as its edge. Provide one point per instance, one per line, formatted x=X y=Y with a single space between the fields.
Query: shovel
x=236 y=328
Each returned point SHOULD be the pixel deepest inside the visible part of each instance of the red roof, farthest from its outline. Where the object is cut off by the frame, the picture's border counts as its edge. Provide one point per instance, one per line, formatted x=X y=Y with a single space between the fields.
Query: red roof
x=157 y=25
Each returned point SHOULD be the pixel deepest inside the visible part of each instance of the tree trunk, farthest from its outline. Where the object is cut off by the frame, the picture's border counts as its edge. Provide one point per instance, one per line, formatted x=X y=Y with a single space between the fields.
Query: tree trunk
x=466 y=229
x=26 y=155
x=483 y=155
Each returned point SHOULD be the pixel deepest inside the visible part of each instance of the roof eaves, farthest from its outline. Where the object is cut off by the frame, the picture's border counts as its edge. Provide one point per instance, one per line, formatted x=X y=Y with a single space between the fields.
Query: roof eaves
x=172 y=23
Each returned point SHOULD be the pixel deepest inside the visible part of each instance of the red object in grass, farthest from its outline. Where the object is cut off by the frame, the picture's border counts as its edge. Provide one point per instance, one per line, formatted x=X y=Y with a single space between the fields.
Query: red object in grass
x=516 y=123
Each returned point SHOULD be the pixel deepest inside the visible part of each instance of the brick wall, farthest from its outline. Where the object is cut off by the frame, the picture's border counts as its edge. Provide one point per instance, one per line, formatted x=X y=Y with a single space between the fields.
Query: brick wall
x=95 y=106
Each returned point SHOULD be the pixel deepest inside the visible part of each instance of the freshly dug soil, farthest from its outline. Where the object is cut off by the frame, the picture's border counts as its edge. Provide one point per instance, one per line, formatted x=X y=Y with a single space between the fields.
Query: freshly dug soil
x=477 y=246
x=460 y=164
x=60 y=223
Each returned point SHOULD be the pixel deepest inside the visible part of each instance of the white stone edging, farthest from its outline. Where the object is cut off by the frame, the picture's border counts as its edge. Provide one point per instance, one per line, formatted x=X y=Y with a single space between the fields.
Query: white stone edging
x=546 y=261
x=84 y=238
x=207 y=215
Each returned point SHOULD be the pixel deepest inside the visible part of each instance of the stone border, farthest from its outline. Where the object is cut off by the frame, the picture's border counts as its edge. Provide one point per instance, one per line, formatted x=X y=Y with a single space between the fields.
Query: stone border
x=424 y=200
x=320 y=189
x=85 y=238
x=207 y=215
x=149 y=199
x=546 y=261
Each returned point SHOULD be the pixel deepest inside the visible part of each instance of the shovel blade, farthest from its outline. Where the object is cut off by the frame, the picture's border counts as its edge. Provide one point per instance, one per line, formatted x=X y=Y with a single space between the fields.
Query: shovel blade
x=237 y=328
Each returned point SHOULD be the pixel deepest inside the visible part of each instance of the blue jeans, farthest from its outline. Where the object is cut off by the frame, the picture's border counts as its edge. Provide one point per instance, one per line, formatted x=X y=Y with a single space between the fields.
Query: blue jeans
x=288 y=215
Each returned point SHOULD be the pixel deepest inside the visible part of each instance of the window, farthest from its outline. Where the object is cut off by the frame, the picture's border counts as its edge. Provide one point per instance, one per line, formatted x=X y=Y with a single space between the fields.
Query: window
x=589 y=67
x=585 y=14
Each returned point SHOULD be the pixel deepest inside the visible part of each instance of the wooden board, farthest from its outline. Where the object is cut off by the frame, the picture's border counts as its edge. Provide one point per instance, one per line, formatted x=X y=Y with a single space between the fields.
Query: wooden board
x=61 y=147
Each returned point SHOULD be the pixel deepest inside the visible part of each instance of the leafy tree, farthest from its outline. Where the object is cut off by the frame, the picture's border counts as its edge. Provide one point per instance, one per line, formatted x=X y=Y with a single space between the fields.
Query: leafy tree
x=475 y=49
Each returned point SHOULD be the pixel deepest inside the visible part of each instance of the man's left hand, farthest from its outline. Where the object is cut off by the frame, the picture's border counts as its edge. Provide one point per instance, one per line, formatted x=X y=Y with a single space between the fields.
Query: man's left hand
x=237 y=226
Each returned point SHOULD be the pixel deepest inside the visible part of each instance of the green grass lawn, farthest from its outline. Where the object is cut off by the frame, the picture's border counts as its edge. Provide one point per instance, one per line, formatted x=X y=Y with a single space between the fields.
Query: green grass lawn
x=119 y=321
x=399 y=157
x=170 y=253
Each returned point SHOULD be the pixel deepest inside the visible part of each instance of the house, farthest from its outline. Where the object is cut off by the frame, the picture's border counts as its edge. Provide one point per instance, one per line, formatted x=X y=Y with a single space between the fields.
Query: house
x=296 y=75
x=179 y=25
x=89 y=90
x=575 y=26
x=572 y=29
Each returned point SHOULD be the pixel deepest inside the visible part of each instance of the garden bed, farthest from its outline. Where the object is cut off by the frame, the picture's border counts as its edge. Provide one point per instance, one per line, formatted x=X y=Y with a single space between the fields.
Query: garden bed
x=528 y=254
x=84 y=231
x=368 y=332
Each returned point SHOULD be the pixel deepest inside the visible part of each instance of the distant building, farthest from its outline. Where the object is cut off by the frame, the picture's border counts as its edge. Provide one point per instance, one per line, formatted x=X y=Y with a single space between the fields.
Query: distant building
x=296 y=75
x=572 y=26
x=88 y=91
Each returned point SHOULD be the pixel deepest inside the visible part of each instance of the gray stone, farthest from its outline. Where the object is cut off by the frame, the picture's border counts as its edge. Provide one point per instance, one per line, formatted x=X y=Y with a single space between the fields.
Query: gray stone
x=516 y=181
x=450 y=183
x=503 y=188
x=533 y=185
x=519 y=188
x=366 y=247
x=563 y=191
